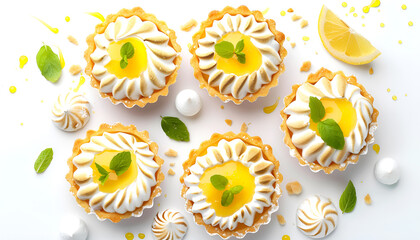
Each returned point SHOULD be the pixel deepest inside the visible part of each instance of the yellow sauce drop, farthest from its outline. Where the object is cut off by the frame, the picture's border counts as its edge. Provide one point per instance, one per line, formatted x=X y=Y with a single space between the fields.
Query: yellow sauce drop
x=376 y=148
x=363 y=16
x=232 y=65
x=285 y=237
x=283 y=13
x=288 y=38
x=354 y=14
x=81 y=82
x=270 y=109
x=366 y=9
x=22 y=61
x=394 y=98
x=399 y=41
x=265 y=11
x=342 y=111
x=129 y=236
x=97 y=15
x=54 y=30
x=67 y=18
x=363 y=25
x=410 y=23
x=351 y=9
x=61 y=57
x=344 y=4
x=142 y=235
x=122 y=181
x=305 y=38
x=388 y=90
x=12 y=89
x=403 y=7
x=237 y=174
x=222 y=107
x=375 y=3
x=382 y=25
x=136 y=65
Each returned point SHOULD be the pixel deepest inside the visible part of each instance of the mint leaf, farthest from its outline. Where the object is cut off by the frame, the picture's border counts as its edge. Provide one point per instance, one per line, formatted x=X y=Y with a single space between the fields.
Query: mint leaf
x=241 y=57
x=101 y=170
x=227 y=198
x=123 y=63
x=43 y=161
x=239 y=46
x=236 y=189
x=224 y=49
x=348 y=199
x=127 y=50
x=331 y=134
x=317 y=109
x=218 y=181
x=103 y=178
x=48 y=63
x=175 y=129
x=120 y=162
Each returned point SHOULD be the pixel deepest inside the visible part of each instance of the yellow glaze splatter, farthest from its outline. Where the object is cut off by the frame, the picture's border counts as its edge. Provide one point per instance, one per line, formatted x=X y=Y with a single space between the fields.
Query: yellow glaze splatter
x=342 y=111
x=352 y=9
x=305 y=38
x=54 y=30
x=376 y=148
x=122 y=181
x=67 y=18
x=399 y=41
x=129 y=236
x=237 y=174
x=394 y=98
x=382 y=25
x=141 y=235
x=136 y=65
x=410 y=23
x=403 y=7
x=270 y=109
x=232 y=65
x=97 y=15
x=12 y=89
x=81 y=82
x=285 y=237
x=283 y=13
x=22 y=61
x=344 y=4
x=61 y=57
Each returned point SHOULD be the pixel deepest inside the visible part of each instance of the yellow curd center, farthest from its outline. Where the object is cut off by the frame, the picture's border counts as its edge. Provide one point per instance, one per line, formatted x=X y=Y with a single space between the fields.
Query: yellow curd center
x=237 y=174
x=342 y=111
x=114 y=182
x=136 y=65
x=232 y=65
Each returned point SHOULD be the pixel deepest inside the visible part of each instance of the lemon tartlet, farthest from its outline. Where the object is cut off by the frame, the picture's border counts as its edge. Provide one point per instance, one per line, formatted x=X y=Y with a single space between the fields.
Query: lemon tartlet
x=262 y=48
x=149 y=68
x=119 y=196
x=347 y=102
x=247 y=165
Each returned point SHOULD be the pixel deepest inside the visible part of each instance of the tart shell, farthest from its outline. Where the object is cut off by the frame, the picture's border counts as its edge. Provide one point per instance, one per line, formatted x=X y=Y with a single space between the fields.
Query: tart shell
x=118 y=127
x=296 y=152
x=100 y=28
x=260 y=218
x=202 y=77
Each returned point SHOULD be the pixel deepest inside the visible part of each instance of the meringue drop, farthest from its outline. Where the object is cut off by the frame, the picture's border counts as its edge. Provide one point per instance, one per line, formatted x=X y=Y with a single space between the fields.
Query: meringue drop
x=70 y=112
x=169 y=225
x=73 y=228
x=387 y=171
x=188 y=102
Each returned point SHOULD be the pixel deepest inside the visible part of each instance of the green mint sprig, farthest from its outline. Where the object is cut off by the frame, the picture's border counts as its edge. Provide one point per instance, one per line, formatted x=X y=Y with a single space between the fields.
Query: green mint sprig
x=226 y=49
x=104 y=173
x=348 y=199
x=119 y=163
x=48 y=63
x=126 y=52
x=175 y=129
x=219 y=182
x=329 y=130
x=43 y=161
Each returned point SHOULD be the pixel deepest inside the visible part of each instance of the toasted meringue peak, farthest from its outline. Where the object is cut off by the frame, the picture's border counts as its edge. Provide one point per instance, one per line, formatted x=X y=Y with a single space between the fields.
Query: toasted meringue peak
x=169 y=225
x=70 y=112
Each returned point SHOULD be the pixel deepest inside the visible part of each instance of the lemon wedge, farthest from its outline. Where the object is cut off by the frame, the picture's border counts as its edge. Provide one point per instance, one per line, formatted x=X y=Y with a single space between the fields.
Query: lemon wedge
x=342 y=42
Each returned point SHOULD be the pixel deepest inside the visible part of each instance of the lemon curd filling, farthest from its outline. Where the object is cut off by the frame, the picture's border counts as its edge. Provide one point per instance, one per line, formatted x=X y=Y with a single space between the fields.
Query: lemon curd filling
x=237 y=174
x=342 y=111
x=136 y=65
x=232 y=65
x=114 y=182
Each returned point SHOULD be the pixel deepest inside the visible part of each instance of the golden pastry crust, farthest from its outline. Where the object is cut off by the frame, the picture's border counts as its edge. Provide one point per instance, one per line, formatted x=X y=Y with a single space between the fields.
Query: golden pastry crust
x=141 y=136
x=100 y=28
x=312 y=79
x=260 y=218
x=202 y=77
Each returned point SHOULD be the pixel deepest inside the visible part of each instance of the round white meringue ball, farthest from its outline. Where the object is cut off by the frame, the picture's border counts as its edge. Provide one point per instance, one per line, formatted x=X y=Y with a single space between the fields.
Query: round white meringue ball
x=188 y=102
x=73 y=228
x=387 y=171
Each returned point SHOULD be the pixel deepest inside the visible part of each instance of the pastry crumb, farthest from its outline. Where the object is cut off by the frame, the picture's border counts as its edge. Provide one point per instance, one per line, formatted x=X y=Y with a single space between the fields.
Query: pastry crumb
x=228 y=122
x=222 y=107
x=303 y=23
x=295 y=17
x=172 y=164
x=368 y=199
x=171 y=172
x=72 y=40
x=306 y=66
x=171 y=153
x=244 y=127
x=293 y=44
x=290 y=10
x=75 y=69
x=371 y=71
x=189 y=25
x=281 y=219
x=294 y=188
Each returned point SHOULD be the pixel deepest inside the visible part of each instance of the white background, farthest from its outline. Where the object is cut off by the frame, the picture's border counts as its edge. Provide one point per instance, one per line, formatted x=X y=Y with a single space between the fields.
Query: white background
x=31 y=205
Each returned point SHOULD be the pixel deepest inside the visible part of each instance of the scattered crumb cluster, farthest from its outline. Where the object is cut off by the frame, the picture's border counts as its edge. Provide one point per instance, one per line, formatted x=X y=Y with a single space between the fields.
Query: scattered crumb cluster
x=294 y=188
x=281 y=219
x=189 y=25
x=306 y=66
x=171 y=153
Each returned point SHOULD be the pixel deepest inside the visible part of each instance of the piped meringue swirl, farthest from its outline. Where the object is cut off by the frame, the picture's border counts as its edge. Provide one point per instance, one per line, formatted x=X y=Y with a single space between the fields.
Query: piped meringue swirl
x=316 y=217
x=70 y=112
x=169 y=225
x=252 y=158
x=160 y=57
x=312 y=146
x=122 y=200
x=261 y=36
